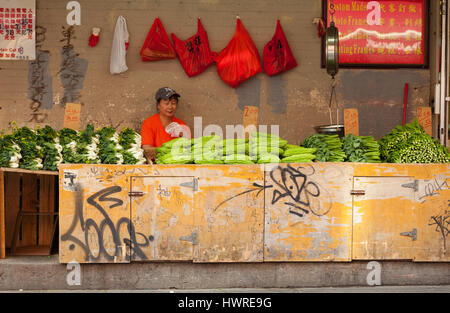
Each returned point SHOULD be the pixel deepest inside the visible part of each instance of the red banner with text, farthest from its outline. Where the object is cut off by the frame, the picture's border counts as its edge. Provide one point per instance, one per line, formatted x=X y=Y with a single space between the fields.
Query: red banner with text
x=380 y=32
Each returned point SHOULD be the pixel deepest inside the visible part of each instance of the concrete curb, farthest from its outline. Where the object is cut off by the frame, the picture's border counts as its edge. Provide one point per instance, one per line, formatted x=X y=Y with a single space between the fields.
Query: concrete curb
x=46 y=273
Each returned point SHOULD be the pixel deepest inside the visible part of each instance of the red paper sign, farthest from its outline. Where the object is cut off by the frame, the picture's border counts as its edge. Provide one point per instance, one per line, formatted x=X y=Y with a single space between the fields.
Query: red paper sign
x=384 y=32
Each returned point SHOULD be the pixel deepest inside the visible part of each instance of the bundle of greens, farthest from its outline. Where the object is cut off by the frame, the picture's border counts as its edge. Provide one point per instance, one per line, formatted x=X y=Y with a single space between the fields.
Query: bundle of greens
x=411 y=144
x=131 y=144
x=176 y=151
x=27 y=140
x=51 y=149
x=207 y=150
x=264 y=158
x=109 y=149
x=262 y=144
x=297 y=154
x=399 y=134
x=87 y=146
x=361 y=149
x=233 y=146
x=9 y=152
x=68 y=139
x=329 y=147
x=238 y=159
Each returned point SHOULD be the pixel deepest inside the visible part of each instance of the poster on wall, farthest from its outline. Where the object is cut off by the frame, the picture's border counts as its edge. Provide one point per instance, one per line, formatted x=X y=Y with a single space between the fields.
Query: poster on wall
x=17 y=29
x=384 y=33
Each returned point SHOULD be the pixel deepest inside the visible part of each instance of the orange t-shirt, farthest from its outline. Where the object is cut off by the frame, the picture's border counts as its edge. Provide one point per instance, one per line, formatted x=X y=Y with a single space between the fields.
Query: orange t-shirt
x=153 y=132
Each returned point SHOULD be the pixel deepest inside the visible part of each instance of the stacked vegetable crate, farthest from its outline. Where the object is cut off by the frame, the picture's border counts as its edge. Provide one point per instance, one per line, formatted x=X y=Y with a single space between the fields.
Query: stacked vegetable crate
x=29 y=203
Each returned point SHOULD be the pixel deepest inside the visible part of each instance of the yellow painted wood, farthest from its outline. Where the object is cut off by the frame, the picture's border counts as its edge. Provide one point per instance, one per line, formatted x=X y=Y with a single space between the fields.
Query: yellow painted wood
x=163 y=219
x=380 y=216
x=433 y=219
x=229 y=213
x=253 y=213
x=308 y=212
x=94 y=214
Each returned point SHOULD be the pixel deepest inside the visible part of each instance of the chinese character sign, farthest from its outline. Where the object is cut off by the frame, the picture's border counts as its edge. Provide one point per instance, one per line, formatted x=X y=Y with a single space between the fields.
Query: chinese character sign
x=380 y=32
x=17 y=29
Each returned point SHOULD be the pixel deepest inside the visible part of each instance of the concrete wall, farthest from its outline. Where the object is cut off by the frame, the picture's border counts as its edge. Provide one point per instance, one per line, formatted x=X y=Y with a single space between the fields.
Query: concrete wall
x=296 y=100
x=42 y=273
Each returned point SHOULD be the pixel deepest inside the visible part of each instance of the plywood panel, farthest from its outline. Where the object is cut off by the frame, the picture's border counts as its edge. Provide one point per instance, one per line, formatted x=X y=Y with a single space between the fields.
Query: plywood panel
x=380 y=216
x=2 y=216
x=229 y=213
x=12 y=204
x=308 y=212
x=29 y=204
x=46 y=204
x=163 y=218
x=433 y=218
x=94 y=215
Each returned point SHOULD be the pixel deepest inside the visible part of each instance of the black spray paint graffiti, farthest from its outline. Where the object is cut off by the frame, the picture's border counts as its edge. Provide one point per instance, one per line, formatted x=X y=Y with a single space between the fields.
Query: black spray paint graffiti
x=73 y=69
x=442 y=223
x=39 y=80
x=303 y=196
x=120 y=240
x=293 y=185
x=433 y=187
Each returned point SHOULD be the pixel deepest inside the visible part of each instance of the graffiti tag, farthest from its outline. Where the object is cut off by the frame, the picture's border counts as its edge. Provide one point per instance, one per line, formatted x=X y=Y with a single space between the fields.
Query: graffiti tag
x=294 y=186
x=120 y=239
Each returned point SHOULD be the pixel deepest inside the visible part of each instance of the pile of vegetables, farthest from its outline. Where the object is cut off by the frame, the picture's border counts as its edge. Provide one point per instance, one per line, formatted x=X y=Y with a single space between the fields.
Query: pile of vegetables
x=68 y=139
x=176 y=151
x=236 y=151
x=411 y=144
x=266 y=148
x=9 y=152
x=45 y=148
x=87 y=149
x=207 y=150
x=328 y=147
x=51 y=149
x=361 y=149
x=27 y=140
x=298 y=154
x=130 y=141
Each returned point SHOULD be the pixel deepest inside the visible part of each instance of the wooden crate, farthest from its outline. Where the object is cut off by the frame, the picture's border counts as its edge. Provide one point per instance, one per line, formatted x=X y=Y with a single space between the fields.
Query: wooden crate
x=28 y=210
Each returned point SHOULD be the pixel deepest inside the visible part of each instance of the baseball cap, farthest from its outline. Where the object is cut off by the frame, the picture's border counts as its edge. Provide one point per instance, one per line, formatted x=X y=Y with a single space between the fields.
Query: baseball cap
x=165 y=93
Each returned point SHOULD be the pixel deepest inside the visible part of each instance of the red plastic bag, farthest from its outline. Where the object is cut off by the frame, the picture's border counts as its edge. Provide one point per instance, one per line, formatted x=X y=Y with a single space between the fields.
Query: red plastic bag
x=157 y=45
x=194 y=53
x=239 y=60
x=277 y=55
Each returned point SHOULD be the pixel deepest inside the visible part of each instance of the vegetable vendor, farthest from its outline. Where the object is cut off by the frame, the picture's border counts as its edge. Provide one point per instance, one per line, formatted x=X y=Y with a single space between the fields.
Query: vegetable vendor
x=163 y=126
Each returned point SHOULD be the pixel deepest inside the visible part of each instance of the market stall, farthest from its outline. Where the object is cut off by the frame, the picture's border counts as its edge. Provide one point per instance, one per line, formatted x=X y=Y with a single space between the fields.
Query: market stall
x=333 y=193
x=254 y=213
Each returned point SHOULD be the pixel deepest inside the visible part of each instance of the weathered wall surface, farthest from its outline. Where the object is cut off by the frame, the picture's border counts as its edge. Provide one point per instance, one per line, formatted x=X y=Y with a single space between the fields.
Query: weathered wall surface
x=296 y=100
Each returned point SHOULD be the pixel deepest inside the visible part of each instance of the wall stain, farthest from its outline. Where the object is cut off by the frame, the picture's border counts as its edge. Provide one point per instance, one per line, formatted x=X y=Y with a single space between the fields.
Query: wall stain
x=73 y=69
x=39 y=80
x=249 y=93
x=276 y=96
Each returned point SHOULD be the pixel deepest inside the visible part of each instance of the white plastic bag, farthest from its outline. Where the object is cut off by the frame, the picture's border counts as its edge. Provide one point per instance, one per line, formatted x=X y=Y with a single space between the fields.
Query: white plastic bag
x=118 y=52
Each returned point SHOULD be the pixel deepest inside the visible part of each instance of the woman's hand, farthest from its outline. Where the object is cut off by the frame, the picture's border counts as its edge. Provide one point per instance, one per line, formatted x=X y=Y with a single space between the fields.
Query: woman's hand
x=177 y=130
